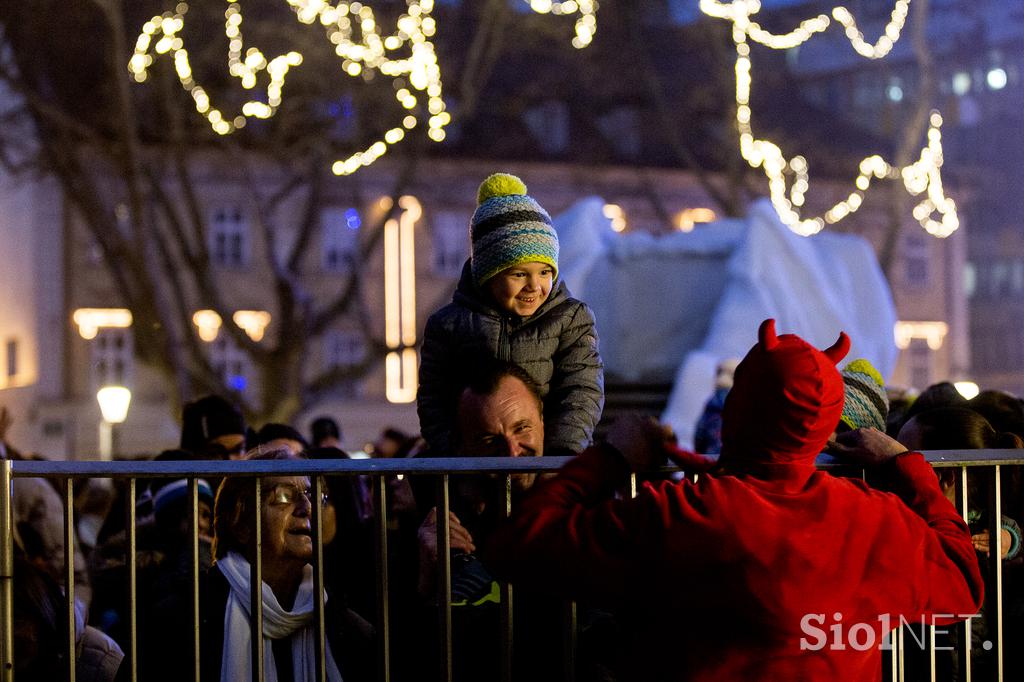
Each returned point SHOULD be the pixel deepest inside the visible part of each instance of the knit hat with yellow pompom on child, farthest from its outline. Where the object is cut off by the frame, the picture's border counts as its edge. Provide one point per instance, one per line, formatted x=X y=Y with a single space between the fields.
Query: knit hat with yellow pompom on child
x=509 y=228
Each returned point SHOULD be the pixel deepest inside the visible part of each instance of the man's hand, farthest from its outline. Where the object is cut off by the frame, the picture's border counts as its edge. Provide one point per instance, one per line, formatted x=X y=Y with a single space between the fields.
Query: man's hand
x=640 y=439
x=982 y=545
x=865 y=447
x=458 y=538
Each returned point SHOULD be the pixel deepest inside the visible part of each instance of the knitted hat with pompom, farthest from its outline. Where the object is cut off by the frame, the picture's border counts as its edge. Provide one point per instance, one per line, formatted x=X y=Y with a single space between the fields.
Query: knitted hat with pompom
x=865 y=403
x=509 y=228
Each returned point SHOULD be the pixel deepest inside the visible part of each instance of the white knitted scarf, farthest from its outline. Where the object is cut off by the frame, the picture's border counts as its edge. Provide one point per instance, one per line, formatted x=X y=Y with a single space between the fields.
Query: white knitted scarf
x=277 y=624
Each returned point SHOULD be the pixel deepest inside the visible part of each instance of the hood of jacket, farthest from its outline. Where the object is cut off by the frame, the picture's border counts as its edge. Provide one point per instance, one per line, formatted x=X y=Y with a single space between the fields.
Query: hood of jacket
x=785 y=402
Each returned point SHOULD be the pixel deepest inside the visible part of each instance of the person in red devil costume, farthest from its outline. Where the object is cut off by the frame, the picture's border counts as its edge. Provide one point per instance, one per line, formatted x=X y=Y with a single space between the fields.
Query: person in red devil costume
x=764 y=568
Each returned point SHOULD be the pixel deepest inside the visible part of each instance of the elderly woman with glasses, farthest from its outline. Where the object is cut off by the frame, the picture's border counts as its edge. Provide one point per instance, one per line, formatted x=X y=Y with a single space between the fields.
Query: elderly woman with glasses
x=289 y=601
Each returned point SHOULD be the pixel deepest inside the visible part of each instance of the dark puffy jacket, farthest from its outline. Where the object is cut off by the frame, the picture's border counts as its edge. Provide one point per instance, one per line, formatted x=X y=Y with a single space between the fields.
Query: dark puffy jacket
x=557 y=346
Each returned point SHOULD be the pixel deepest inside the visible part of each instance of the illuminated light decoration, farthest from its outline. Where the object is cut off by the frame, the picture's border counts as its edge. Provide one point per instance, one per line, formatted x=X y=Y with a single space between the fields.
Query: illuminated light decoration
x=961 y=83
x=614 y=213
x=968 y=389
x=789 y=179
x=416 y=74
x=691 y=216
x=208 y=323
x=252 y=322
x=114 y=402
x=586 y=25
x=996 y=78
x=400 y=301
x=91 y=320
x=932 y=332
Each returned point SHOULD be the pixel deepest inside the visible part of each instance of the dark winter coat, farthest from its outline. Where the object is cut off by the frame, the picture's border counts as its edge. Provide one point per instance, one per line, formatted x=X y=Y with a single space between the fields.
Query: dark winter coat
x=166 y=643
x=557 y=346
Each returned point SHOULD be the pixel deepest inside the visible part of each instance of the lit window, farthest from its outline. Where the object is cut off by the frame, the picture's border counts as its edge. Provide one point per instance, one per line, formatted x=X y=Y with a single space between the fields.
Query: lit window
x=111 y=354
x=996 y=78
x=229 y=237
x=895 y=90
x=451 y=242
x=961 y=83
x=339 y=230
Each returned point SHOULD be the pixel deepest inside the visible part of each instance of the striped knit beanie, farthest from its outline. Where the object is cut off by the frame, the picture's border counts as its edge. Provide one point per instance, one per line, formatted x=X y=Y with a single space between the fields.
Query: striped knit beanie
x=509 y=228
x=866 y=403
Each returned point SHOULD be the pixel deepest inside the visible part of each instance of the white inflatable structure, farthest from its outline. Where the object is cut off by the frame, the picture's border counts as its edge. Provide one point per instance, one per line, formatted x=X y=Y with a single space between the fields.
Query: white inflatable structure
x=670 y=308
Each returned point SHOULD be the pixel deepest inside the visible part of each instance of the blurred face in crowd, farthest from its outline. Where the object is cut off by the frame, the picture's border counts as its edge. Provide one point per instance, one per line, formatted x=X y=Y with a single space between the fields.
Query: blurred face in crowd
x=287 y=529
x=507 y=423
x=231 y=444
x=522 y=288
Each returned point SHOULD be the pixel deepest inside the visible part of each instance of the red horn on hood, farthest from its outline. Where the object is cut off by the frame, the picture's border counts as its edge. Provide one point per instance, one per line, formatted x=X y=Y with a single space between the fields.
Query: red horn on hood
x=766 y=334
x=839 y=349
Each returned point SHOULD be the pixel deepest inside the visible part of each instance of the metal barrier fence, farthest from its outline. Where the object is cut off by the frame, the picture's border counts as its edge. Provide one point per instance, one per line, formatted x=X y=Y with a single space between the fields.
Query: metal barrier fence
x=987 y=463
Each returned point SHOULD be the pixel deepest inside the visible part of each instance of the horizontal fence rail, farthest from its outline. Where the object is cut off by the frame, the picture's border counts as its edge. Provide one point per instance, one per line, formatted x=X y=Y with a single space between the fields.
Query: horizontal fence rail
x=987 y=463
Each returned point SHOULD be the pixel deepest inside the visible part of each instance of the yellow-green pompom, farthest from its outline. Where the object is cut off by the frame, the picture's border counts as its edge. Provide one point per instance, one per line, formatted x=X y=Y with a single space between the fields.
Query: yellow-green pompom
x=499 y=185
x=862 y=366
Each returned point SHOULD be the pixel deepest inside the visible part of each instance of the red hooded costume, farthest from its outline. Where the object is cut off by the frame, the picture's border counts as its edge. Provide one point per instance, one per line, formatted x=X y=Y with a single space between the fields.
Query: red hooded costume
x=746 y=574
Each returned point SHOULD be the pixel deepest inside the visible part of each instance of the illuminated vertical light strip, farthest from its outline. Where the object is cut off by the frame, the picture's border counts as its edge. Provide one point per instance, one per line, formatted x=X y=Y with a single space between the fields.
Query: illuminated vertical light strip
x=400 y=302
x=935 y=212
x=407 y=248
x=392 y=305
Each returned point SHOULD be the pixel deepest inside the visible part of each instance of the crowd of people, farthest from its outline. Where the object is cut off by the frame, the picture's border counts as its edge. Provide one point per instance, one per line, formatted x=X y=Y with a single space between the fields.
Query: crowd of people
x=754 y=564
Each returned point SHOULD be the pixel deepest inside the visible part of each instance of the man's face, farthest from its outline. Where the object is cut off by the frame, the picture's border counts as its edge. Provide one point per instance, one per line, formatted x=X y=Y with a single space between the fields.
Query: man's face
x=507 y=423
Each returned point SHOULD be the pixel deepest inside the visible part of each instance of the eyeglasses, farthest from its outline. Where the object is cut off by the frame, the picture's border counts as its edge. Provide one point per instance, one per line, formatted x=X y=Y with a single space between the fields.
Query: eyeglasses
x=288 y=493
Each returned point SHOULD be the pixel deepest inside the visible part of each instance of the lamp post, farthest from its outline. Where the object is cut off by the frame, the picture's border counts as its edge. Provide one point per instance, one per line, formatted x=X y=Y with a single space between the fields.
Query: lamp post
x=114 y=401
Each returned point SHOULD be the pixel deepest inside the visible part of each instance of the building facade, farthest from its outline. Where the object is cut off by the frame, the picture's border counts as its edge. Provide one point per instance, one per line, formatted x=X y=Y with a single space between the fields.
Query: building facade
x=66 y=334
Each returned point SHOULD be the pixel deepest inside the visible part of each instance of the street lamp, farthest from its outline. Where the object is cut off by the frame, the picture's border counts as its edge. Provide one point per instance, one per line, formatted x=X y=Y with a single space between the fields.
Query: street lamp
x=114 y=401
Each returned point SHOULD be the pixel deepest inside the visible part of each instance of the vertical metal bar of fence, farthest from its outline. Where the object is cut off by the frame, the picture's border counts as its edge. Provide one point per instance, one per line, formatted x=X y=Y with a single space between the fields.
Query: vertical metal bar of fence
x=380 y=490
x=133 y=622
x=505 y=590
x=317 y=521
x=6 y=574
x=69 y=574
x=931 y=654
x=963 y=648
x=994 y=596
x=193 y=530
x=900 y=652
x=444 y=579
x=256 y=582
x=569 y=643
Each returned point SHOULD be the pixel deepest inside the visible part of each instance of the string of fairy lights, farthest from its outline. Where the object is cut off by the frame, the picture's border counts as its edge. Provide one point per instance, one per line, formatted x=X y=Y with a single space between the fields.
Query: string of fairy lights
x=586 y=24
x=789 y=179
x=406 y=55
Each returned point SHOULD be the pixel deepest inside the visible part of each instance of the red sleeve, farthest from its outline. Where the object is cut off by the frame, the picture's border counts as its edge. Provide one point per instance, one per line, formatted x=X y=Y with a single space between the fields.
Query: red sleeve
x=569 y=537
x=953 y=585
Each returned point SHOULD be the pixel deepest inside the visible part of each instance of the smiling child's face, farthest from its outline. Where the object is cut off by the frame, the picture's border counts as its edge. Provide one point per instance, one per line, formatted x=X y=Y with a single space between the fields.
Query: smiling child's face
x=522 y=288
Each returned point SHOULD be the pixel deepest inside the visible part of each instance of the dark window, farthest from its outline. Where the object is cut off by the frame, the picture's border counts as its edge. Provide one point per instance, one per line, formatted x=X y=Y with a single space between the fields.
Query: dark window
x=12 y=358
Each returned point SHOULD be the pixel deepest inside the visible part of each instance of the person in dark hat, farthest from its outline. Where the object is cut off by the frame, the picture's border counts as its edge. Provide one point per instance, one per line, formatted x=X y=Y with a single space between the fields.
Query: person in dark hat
x=213 y=428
